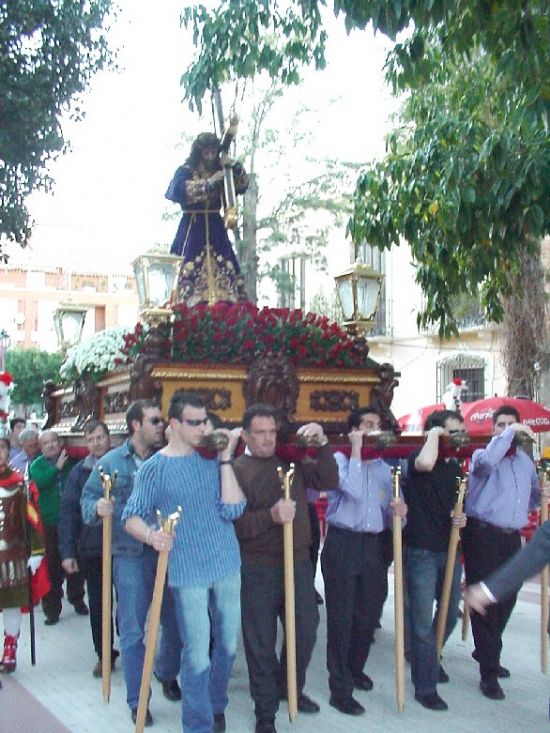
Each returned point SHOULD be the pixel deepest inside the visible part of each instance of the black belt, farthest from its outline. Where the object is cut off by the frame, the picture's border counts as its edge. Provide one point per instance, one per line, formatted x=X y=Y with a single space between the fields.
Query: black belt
x=487 y=525
x=346 y=530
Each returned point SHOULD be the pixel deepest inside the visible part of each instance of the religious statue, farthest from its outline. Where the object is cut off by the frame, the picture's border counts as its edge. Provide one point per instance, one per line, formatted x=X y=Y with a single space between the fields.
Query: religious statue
x=209 y=271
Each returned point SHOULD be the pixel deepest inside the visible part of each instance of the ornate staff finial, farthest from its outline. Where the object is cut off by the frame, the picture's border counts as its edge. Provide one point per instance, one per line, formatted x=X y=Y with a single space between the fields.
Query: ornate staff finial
x=286 y=479
x=168 y=524
x=108 y=482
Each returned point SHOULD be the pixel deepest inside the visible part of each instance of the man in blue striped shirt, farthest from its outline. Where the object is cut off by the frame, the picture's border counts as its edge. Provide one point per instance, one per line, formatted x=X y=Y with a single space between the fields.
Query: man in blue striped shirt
x=204 y=562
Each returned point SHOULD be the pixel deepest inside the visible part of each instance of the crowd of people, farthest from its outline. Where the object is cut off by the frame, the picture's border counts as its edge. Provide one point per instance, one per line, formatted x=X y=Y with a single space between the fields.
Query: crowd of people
x=226 y=555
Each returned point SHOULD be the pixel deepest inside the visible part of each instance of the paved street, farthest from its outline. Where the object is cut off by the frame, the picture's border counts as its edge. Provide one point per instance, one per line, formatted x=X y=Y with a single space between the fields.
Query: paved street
x=60 y=695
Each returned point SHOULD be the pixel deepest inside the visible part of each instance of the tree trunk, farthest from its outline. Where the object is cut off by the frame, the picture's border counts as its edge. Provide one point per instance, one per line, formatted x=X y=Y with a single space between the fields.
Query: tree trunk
x=525 y=332
x=246 y=247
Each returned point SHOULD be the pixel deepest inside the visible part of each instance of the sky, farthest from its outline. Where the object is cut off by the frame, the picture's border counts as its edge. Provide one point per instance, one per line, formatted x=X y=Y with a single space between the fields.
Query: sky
x=107 y=204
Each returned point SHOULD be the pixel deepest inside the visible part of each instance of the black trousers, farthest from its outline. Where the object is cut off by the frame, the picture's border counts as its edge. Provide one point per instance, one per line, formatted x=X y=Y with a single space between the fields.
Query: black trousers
x=355 y=587
x=262 y=605
x=93 y=572
x=51 y=603
x=315 y=536
x=485 y=548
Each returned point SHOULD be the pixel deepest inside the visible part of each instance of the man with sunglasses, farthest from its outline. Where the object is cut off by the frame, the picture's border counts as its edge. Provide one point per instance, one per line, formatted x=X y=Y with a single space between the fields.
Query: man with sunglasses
x=430 y=493
x=502 y=488
x=204 y=561
x=135 y=563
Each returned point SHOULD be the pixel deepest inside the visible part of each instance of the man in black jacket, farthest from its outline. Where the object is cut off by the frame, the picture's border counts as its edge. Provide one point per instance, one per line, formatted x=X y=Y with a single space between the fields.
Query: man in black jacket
x=81 y=545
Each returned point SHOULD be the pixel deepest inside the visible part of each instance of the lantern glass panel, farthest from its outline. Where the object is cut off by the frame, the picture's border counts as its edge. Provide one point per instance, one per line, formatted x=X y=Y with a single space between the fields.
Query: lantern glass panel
x=367 y=297
x=345 y=293
x=72 y=323
x=161 y=282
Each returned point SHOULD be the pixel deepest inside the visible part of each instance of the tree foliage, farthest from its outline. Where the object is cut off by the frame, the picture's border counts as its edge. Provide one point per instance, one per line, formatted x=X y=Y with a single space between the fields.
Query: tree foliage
x=50 y=49
x=465 y=183
x=242 y=38
x=467 y=173
x=30 y=368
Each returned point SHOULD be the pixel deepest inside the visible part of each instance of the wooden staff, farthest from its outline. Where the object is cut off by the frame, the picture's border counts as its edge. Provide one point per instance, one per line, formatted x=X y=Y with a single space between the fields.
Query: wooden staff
x=108 y=482
x=167 y=524
x=290 y=613
x=443 y=606
x=465 y=621
x=398 y=598
x=543 y=589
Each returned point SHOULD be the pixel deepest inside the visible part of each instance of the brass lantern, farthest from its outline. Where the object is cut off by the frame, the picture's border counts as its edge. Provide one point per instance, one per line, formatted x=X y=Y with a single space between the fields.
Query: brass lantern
x=156 y=276
x=358 y=291
x=68 y=321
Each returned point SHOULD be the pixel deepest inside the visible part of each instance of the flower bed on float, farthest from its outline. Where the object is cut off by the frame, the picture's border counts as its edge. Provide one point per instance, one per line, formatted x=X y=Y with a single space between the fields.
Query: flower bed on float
x=238 y=333
x=95 y=356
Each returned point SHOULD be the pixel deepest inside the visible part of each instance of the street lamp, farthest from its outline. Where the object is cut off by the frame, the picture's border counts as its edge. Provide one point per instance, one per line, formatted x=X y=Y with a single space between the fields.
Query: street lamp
x=68 y=320
x=358 y=290
x=156 y=276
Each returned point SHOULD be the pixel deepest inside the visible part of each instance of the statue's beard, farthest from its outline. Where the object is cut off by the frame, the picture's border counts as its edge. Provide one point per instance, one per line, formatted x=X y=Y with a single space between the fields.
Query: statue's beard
x=210 y=166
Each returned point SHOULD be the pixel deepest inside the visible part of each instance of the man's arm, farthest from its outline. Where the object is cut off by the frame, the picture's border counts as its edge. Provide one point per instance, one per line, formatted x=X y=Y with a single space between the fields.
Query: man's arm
x=155 y=538
x=509 y=577
x=321 y=474
x=486 y=459
x=426 y=459
x=91 y=494
x=231 y=492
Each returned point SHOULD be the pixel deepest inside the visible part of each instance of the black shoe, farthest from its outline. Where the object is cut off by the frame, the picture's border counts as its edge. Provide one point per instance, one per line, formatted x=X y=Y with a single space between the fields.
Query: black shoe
x=432 y=701
x=347 y=705
x=443 y=676
x=307 y=705
x=148 y=718
x=170 y=689
x=265 y=725
x=81 y=608
x=362 y=681
x=51 y=620
x=98 y=667
x=491 y=689
x=219 y=723
x=502 y=672
x=319 y=598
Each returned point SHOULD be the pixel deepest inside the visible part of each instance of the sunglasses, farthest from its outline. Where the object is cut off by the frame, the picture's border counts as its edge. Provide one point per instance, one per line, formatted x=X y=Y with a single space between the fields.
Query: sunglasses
x=194 y=423
x=454 y=432
x=155 y=420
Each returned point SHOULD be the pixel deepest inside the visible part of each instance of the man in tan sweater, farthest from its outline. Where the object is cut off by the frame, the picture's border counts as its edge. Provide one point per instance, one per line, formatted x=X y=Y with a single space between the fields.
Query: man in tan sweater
x=260 y=534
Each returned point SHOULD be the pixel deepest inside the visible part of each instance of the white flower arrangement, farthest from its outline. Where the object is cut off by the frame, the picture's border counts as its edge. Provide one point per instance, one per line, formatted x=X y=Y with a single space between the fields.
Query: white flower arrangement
x=95 y=356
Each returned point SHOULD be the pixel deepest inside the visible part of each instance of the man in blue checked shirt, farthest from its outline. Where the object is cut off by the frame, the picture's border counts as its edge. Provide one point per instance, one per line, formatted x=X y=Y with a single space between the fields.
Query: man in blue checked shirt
x=352 y=564
x=503 y=487
x=135 y=564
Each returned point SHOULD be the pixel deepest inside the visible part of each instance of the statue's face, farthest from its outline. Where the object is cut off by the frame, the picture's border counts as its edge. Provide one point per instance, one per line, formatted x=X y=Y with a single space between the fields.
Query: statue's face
x=209 y=156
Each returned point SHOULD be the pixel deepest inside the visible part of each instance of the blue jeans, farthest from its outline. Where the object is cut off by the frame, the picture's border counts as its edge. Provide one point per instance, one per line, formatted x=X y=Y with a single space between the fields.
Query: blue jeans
x=134 y=579
x=425 y=571
x=204 y=677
